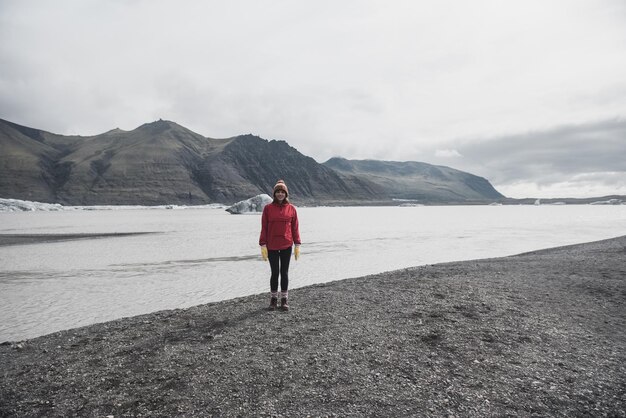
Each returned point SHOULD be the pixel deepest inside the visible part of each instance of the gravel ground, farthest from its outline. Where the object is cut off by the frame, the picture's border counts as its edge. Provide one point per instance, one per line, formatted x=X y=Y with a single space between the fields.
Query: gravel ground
x=538 y=334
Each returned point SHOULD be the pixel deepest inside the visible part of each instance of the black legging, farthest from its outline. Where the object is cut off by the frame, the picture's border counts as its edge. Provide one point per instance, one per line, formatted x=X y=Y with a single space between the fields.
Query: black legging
x=279 y=260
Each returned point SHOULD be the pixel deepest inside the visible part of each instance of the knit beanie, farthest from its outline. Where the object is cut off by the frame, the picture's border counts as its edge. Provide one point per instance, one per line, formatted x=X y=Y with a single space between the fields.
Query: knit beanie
x=280 y=185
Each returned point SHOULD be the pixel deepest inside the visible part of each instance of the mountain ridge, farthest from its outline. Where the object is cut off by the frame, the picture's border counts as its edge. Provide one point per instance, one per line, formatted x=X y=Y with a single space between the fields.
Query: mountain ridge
x=418 y=180
x=162 y=162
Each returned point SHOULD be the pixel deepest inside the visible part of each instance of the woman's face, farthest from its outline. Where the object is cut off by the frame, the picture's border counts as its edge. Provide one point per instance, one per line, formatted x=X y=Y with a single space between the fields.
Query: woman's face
x=280 y=195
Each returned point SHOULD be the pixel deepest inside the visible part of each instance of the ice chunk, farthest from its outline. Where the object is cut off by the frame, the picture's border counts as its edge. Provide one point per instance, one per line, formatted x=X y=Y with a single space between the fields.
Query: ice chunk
x=16 y=205
x=607 y=202
x=254 y=204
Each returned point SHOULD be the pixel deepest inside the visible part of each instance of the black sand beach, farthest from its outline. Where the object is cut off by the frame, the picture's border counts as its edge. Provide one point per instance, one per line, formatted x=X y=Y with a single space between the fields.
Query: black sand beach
x=538 y=334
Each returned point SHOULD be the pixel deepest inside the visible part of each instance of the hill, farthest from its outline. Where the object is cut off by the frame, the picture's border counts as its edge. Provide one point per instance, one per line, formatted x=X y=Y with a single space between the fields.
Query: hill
x=413 y=180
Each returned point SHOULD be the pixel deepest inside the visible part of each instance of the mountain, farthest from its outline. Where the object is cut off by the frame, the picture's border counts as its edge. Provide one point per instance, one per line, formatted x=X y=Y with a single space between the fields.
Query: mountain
x=165 y=163
x=248 y=165
x=418 y=181
x=28 y=168
x=159 y=163
x=145 y=166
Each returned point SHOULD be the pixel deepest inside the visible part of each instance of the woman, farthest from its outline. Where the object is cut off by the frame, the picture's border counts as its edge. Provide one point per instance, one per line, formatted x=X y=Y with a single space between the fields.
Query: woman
x=279 y=232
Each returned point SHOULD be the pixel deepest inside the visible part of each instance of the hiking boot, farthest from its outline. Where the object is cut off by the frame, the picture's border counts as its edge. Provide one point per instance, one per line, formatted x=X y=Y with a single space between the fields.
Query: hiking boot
x=273 y=304
x=283 y=304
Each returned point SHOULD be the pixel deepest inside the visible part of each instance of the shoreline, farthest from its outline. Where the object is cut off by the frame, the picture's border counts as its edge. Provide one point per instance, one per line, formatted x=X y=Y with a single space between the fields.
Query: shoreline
x=12 y=205
x=539 y=333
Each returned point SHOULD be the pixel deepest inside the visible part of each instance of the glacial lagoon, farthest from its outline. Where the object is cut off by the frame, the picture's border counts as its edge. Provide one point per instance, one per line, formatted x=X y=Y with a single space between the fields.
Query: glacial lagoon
x=190 y=256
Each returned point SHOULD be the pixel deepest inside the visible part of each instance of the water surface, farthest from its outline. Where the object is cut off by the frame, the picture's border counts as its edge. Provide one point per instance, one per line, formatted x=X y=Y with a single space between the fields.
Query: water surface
x=131 y=261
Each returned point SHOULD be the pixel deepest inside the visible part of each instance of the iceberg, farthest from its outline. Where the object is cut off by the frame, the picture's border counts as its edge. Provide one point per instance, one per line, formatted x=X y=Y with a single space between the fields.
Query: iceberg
x=252 y=205
x=16 y=205
x=607 y=202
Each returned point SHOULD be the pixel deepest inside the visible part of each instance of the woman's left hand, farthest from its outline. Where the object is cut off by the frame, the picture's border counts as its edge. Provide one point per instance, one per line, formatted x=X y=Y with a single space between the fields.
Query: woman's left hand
x=297 y=252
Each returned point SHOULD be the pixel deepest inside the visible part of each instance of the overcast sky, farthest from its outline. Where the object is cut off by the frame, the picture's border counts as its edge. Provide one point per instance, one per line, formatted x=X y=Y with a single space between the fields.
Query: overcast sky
x=529 y=94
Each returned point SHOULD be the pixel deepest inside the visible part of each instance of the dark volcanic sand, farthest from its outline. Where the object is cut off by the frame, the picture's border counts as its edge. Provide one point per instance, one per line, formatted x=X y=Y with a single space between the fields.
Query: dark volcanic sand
x=539 y=334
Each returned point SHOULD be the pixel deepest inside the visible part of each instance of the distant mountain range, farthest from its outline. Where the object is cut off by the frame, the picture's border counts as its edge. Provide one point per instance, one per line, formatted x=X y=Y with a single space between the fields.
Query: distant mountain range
x=164 y=163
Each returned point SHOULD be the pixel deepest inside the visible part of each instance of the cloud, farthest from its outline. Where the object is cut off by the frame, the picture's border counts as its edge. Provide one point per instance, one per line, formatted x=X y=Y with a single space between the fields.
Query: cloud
x=447 y=153
x=596 y=185
x=360 y=79
x=572 y=158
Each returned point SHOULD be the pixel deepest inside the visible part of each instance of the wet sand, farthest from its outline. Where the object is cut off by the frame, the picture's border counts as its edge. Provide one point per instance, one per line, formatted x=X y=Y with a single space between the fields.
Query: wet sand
x=538 y=334
x=22 y=239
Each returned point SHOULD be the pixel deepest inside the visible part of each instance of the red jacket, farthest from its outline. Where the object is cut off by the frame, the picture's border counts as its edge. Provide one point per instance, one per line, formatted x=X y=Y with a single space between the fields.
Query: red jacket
x=279 y=226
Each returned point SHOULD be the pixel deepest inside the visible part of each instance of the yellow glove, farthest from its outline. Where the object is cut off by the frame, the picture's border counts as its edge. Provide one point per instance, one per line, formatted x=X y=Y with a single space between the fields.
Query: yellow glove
x=264 y=252
x=297 y=252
